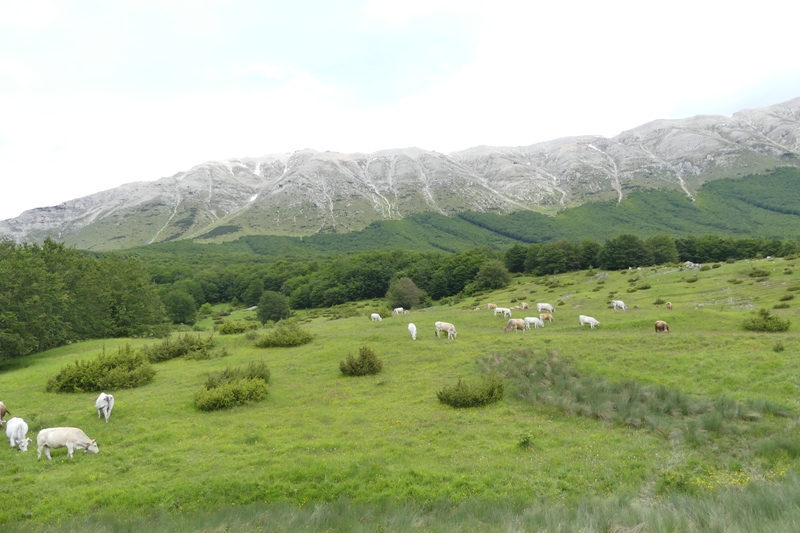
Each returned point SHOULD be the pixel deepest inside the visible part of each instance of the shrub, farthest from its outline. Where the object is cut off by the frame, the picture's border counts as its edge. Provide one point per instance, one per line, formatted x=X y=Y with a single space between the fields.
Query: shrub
x=787 y=297
x=758 y=273
x=659 y=301
x=464 y=393
x=253 y=370
x=716 y=265
x=782 y=305
x=125 y=370
x=779 y=347
x=793 y=288
x=705 y=268
x=766 y=322
x=231 y=393
x=233 y=327
x=692 y=279
x=367 y=363
x=192 y=347
x=285 y=335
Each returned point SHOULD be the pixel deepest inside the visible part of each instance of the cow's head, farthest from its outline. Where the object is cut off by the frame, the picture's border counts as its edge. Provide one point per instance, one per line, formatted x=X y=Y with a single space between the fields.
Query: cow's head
x=92 y=447
x=23 y=444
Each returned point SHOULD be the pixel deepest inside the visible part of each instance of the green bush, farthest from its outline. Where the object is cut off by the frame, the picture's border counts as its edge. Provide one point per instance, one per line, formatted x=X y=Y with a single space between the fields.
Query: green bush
x=782 y=305
x=191 y=347
x=766 y=322
x=125 y=370
x=705 y=268
x=758 y=273
x=232 y=327
x=253 y=370
x=286 y=334
x=716 y=265
x=659 y=301
x=787 y=297
x=476 y=393
x=230 y=394
x=366 y=363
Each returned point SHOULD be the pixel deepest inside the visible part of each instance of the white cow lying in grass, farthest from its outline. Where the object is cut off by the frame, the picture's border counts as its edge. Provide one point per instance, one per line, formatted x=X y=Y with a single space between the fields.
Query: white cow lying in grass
x=619 y=304
x=536 y=321
x=505 y=310
x=375 y=317
x=413 y=330
x=70 y=438
x=16 y=431
x=447 y=327
x=545 y=307
x=588 y=320
x=104 y=404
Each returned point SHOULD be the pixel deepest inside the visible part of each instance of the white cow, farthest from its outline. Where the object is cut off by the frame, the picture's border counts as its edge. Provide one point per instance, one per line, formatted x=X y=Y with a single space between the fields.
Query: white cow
x=588 y=320
x=505 y=310
x=71 y=438
x=104 y=405
x=516 y=324
x=619 y=304
x=535 y=320
x=17 y=431
x=375 y=317
x=397 y=311
x=413 y=330
x=545 y=307
x=447 y=327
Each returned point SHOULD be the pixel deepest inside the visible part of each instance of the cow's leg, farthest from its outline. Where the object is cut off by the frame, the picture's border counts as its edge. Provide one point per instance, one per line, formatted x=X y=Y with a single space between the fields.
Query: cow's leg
x=47 y=452
x=70 y=448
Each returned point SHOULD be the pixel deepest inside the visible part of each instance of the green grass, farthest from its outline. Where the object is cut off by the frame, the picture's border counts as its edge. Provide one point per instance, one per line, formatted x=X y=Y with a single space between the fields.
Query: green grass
x=386 y=445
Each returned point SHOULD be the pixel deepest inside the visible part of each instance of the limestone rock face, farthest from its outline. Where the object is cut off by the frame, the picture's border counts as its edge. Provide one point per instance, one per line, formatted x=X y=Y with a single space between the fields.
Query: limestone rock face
x=310 y=192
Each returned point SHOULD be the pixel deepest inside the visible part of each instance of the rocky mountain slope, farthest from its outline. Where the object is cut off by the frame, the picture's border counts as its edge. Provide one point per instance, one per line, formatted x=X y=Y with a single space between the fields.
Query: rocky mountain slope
x=311 y=192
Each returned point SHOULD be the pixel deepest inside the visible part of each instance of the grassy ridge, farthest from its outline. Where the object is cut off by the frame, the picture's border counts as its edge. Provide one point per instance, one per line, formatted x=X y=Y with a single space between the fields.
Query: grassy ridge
x=383 y=440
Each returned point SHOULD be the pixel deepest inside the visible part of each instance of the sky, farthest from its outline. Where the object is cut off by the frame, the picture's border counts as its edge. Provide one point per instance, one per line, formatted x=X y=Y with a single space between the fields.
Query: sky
x=94 y=94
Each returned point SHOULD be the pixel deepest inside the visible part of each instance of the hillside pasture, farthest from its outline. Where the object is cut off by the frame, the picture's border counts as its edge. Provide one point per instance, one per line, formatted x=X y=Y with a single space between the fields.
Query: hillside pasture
x=385 y=439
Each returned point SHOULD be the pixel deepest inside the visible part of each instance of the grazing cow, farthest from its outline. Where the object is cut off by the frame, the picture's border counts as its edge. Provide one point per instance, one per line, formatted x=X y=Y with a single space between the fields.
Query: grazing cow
x=16 y=431
x=505 y=310
x=524 y=305
x=70 y=438
x=537 y=322
x=3 y=412
x=491 y=306
x=375 y=317
x=104 y=405
x=619 y=304
x=545 y=307
x=413 y=330
x=588 y=320
x=516 y=324
x=669 y=306
x=661 y=326
x=546 y=316
x=397 y=311
x=447 y=327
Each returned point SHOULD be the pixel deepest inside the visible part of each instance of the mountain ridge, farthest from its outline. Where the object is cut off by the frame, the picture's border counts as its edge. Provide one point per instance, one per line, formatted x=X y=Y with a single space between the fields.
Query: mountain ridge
x=309 y=192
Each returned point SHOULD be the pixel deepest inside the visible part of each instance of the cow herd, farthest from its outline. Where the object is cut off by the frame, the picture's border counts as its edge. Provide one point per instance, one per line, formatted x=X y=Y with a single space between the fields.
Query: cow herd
x=47 y=439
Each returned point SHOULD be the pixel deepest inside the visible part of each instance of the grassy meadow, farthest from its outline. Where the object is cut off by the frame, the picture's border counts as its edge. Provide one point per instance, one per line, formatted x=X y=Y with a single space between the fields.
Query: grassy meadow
x=369 y=452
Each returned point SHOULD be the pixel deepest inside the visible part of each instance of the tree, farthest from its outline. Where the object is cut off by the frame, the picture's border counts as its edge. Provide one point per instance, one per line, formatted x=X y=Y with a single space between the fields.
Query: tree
x=403 y=292
x=625 y=251
x=181 y=307
x=272 y=306
x=663 y=249
x=551 y=259
x=515 y=258
x=492 y=275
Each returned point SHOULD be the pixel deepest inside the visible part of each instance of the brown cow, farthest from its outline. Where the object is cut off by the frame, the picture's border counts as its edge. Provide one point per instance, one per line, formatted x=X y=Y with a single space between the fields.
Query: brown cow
x=515 y=324
x=546 y=316
x=491 y=306
x=661 y=326
x=3 y=412
x=669 y=306
x=524 y=305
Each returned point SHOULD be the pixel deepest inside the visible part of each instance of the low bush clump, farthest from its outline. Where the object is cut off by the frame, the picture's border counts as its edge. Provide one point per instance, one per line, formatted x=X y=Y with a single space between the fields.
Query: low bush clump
x=705 y=268
x=191 y=347
x=787 y=297
x=659 y=301
x=782 y=305
x=285 y=335
x=766 y=322
x=758 y=273
x=366 y=363
x=476 y=393
x=124 y=370
x=231 y=327
x=234 y=386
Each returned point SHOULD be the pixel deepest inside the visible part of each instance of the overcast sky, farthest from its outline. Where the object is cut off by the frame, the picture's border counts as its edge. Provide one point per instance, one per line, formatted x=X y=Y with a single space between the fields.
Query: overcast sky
x=94 y=94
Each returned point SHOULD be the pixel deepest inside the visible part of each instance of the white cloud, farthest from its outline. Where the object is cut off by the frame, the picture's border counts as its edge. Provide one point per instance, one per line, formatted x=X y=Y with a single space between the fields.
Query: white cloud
x=17 y=72
x=27 y=15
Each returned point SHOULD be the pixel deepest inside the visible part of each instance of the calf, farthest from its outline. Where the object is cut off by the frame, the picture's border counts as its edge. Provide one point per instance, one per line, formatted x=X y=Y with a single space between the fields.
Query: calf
x=413 y=330
x=546 y=316
x=70 y=438
x=661 y=327
x=491 y=306
x=524 y=305
x=375 y=317
x=669 y=306
x=516 y=324
x=588 y=320
x=104 y=405
x=505 y=310
x=447 y=327
x=17 y=431
x=619 y=304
